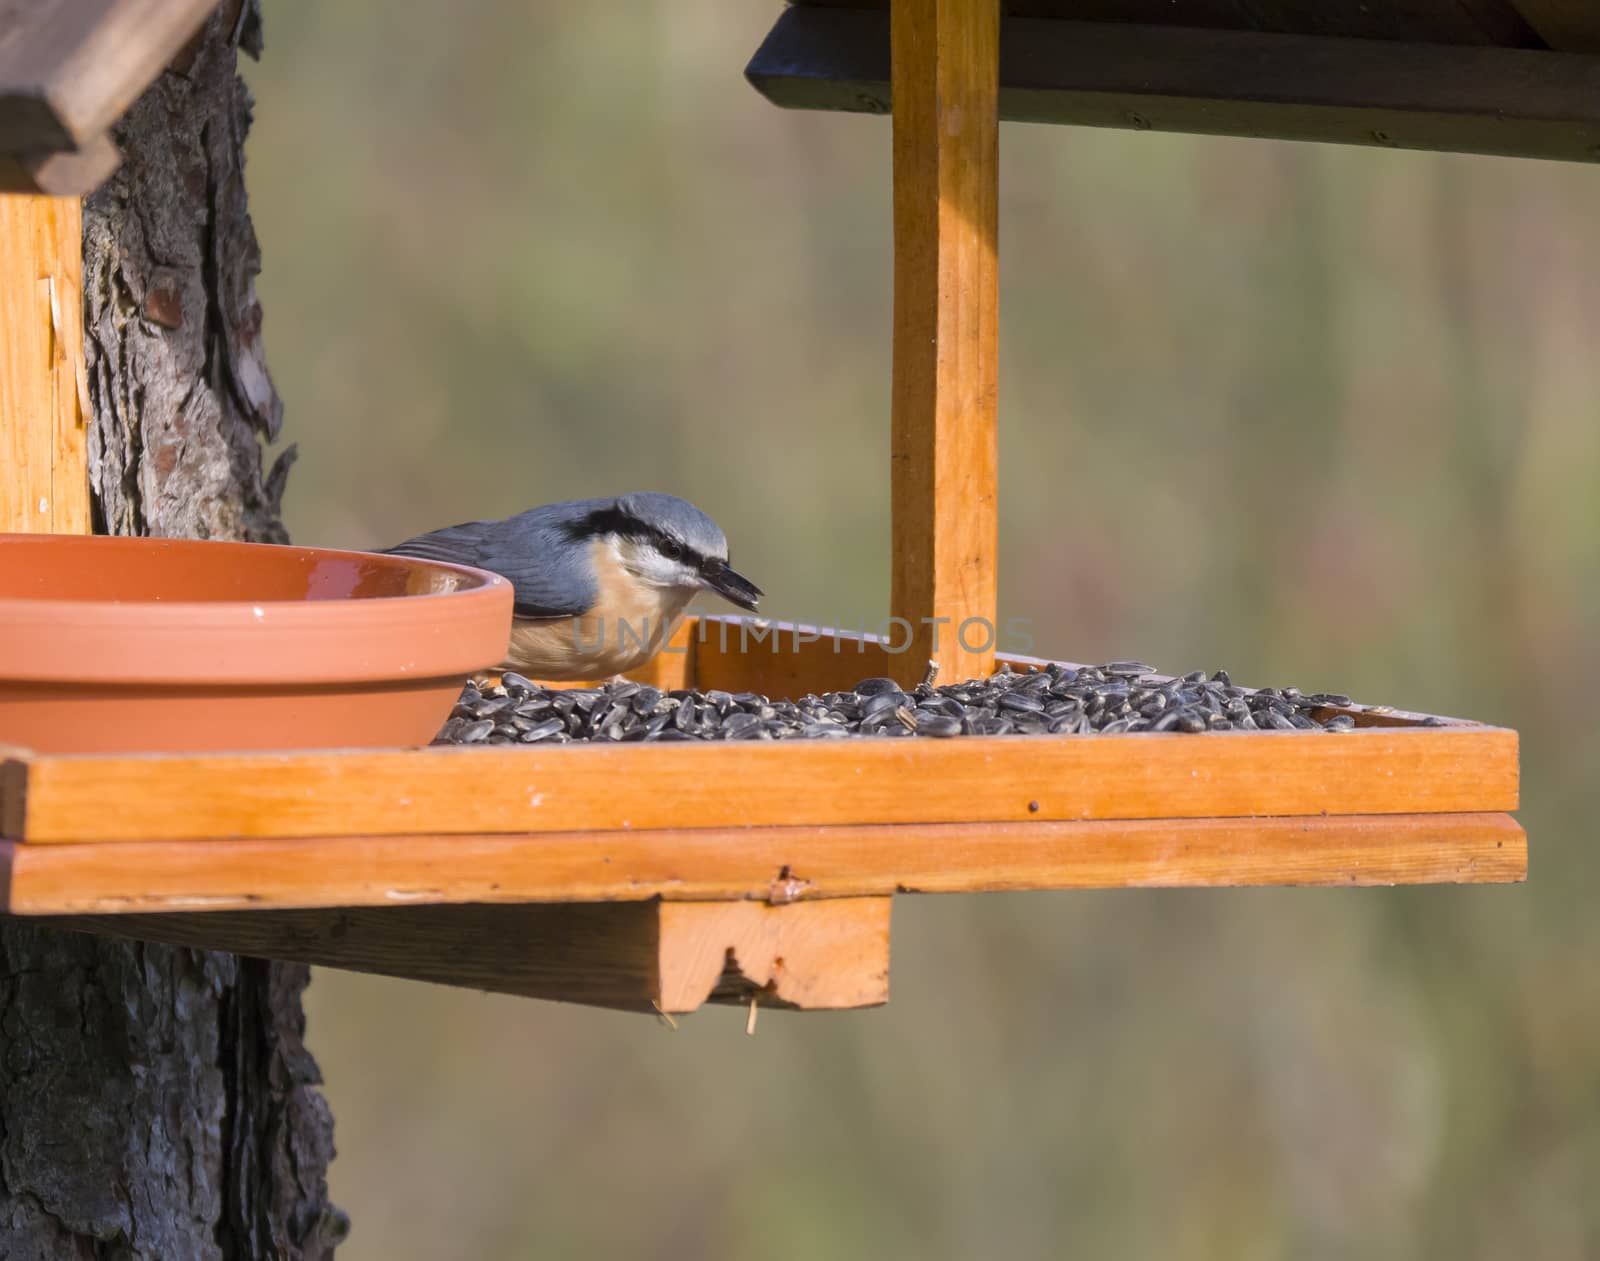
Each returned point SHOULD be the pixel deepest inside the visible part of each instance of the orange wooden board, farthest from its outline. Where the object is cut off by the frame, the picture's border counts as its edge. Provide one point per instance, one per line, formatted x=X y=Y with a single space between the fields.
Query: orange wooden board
x=772 y=864
x=44 y=444
x=580 y=787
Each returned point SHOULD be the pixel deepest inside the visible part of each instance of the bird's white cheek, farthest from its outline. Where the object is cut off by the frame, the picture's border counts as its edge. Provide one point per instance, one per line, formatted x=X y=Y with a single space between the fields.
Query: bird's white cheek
x=658 y=571
x=650 y=568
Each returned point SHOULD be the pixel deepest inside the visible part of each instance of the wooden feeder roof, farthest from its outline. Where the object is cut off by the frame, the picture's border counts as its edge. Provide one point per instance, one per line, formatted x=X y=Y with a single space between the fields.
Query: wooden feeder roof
x=1572 y=25
x=68 y=70
x=1517 y=77
x=1512 y=77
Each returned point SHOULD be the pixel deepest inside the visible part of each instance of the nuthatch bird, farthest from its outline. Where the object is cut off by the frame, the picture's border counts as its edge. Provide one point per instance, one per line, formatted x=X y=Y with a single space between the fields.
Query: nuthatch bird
x=597 y=583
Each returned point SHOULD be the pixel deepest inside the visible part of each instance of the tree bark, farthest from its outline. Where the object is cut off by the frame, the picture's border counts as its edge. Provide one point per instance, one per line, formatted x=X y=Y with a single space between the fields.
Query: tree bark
x=159 y=1104
x=172 y=327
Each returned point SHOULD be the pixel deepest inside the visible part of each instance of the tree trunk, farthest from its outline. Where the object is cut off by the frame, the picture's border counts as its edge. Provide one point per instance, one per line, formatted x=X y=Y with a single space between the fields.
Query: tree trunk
x=158 y=1104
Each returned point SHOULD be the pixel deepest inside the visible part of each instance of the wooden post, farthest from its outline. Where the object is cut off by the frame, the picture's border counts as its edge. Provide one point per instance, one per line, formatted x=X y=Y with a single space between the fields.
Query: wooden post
x=945 y=73
x=44 y=478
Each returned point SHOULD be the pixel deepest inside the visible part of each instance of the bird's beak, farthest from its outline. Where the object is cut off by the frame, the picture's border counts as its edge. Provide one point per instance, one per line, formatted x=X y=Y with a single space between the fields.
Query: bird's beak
x=729 y=585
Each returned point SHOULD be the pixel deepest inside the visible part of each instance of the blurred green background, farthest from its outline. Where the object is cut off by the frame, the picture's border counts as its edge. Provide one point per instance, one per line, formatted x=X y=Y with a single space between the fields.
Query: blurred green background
x=1322 y=416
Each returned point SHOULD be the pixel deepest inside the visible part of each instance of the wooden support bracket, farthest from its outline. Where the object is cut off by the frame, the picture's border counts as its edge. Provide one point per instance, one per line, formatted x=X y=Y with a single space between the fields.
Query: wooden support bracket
x=637 y=956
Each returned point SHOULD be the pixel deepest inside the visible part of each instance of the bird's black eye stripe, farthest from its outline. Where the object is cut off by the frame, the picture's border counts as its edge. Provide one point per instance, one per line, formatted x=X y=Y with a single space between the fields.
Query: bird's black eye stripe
x=605 y=521
x=610 y=521
x=676 y=549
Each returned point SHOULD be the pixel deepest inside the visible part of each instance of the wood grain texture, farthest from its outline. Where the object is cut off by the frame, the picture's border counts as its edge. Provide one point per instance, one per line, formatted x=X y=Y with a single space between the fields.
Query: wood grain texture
x=811 y=956
x=781 y=659
x=990 y=779
x=761 y=864
x=637 y=956
x=1510 y=101
x=70 y=68
x=1569 y=25
x=944 y=422
x=43 y=436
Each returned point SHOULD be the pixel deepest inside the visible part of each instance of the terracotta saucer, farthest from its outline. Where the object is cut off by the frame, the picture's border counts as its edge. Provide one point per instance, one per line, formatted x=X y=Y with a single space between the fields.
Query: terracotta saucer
x=127 y=645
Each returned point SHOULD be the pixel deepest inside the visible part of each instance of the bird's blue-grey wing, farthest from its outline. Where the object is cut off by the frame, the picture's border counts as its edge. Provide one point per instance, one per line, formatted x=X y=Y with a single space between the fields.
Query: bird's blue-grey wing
x=536 y=552
x=455 y=545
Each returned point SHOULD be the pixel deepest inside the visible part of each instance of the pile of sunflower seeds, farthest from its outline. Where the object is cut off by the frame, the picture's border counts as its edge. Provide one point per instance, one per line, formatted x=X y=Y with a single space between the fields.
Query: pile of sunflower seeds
x=1123 y=696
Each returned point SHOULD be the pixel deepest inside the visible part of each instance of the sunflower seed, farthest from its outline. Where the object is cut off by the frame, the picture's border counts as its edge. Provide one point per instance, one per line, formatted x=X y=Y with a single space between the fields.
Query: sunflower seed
x=871 y=687
x=739 y=724
x=878 y=702
x=1120 y=697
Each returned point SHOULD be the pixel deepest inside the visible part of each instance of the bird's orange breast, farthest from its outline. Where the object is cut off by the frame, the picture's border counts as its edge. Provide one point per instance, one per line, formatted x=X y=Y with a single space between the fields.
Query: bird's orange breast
x=623 y=629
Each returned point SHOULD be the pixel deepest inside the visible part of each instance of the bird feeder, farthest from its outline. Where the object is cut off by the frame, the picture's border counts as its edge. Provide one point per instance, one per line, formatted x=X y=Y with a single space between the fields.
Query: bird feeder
x=663 y=876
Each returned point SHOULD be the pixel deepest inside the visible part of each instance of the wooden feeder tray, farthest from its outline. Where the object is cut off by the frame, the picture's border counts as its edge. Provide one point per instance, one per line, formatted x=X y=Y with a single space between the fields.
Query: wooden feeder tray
x=667 y=875
x=642 y=875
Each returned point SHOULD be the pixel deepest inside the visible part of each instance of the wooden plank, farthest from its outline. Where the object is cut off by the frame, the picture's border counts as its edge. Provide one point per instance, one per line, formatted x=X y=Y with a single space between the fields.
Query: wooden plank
x=811 y=956
x=43 y=437
x=70 y=68
x=761 y=864
x=988 y=779
x=944 y=423
x=1177 y=12
x=1510 y=101
x=1569 y=25
x=1418 y=21
x=638 y=956
x=1409 y=21
x=599 y=955
x=60 y=174
x=781 y=659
